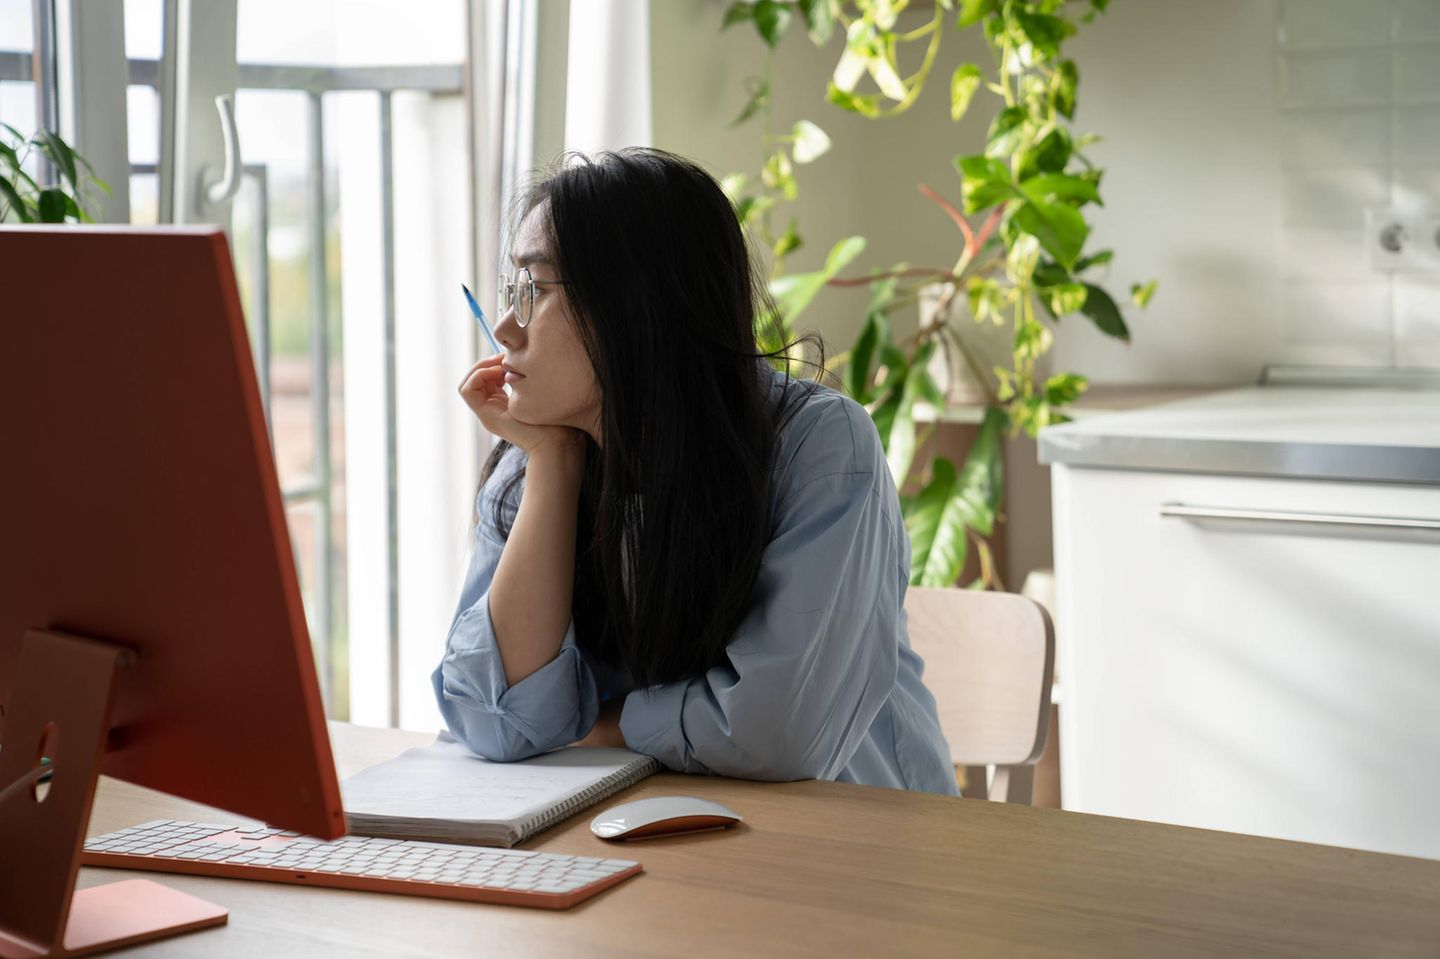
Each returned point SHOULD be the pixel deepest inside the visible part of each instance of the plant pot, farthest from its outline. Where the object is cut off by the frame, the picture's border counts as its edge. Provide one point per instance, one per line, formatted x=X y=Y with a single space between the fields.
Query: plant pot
x=990 y=345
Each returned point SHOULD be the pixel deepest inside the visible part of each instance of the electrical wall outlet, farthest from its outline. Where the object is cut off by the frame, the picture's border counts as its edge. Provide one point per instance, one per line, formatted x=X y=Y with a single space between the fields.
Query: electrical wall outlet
x=1385 y=239
x=1397 y=241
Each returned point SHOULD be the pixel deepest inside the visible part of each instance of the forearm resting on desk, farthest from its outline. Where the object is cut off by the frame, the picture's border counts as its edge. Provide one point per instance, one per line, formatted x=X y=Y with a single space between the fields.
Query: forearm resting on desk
x=532 y=591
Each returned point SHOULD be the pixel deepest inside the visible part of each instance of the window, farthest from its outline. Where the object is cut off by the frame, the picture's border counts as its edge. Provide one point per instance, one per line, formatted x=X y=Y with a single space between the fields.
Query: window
x=17 y=87
x=351 y=232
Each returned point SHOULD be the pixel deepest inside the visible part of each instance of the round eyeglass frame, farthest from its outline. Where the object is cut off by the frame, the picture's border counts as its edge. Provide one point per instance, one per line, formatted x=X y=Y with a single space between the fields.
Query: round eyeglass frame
x=511 y=285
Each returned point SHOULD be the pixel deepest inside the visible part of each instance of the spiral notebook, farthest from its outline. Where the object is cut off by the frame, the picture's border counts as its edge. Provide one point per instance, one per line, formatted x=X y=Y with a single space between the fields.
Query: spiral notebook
x=445 y=793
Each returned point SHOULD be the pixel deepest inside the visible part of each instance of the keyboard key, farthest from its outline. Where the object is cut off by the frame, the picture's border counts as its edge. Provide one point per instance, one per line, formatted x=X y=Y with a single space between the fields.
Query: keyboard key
x=588 y=875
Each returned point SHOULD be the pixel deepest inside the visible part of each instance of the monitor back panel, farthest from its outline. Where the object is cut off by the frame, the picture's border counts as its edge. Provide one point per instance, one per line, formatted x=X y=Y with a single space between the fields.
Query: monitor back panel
x=139 y=505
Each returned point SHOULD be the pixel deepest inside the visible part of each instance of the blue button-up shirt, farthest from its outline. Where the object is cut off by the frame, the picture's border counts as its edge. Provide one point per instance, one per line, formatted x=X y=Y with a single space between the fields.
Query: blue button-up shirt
x=820 y=681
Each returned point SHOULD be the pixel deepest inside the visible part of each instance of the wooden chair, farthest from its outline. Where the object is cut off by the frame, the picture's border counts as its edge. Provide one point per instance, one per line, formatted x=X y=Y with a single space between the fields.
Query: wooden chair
x=989 y=659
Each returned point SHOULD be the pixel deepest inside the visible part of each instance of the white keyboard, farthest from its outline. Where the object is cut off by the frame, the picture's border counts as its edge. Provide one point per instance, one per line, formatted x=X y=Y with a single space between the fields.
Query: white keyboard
x=442 y=870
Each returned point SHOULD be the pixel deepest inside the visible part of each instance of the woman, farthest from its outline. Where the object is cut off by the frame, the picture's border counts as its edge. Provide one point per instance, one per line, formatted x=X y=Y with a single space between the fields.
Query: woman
x=678 y=549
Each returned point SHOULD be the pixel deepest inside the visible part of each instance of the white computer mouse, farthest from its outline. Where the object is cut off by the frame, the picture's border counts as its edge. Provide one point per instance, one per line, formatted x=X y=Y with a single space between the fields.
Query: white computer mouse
x=661 y=816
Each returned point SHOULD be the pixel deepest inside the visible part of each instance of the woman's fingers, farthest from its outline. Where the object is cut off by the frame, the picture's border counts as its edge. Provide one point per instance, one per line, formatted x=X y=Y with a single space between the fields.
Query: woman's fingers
x=490 y=362
x=479 y=376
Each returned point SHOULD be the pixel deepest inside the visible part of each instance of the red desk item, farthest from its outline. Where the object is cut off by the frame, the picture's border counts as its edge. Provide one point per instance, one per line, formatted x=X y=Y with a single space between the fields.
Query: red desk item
x=151 y=626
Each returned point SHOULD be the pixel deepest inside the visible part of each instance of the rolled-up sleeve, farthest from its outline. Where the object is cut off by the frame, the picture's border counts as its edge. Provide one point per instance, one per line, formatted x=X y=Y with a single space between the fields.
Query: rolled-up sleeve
x=815 y=658
x=553 y=706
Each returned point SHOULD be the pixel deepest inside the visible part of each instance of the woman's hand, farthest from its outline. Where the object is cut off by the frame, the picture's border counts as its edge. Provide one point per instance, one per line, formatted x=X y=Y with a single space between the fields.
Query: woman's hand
x=483 y=390
x=606 y=731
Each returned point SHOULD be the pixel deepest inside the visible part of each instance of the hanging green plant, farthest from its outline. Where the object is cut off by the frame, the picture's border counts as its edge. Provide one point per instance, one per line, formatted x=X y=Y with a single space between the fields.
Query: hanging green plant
x=1023 y=260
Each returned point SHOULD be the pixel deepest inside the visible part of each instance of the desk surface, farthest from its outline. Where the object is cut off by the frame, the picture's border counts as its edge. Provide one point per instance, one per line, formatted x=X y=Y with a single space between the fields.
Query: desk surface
x=824 y=867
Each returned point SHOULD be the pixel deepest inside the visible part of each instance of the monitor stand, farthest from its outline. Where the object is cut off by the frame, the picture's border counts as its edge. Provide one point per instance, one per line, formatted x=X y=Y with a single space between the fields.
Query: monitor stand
x=61 y=699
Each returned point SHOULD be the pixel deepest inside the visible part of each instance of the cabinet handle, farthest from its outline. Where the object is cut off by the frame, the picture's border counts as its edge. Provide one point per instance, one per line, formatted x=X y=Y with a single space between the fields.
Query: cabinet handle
x=1182 y=511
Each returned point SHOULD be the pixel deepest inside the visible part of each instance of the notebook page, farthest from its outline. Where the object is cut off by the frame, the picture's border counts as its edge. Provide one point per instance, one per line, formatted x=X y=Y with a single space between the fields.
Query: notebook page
x=447 y=781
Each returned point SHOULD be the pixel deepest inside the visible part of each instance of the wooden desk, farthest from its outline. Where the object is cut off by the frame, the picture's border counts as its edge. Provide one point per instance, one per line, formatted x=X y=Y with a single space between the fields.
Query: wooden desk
x=830 y=868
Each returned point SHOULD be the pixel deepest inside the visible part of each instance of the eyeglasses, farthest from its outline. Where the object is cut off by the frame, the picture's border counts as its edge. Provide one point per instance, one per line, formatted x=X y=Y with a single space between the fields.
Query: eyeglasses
x=519 y=291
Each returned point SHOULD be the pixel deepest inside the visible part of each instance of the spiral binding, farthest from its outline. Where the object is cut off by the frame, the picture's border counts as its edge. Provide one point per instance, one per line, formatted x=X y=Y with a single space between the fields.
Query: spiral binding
x=622 y=778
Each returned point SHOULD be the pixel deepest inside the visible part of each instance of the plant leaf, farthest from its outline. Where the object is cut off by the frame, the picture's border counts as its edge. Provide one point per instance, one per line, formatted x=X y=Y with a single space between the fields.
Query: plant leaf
x=1044 y=31
x=1103 y=311
x=842 y=253
x=884 y=414
x=982 y=482
x=984 y=181
x=867 y=105
x=61 y=155
x=18 y=205
x=858 y=374
x=737 y=13
x=936 y=523
x=819 y=21
x=1065 y=298
x=887 y=78
x=1049 y=154
x=1096 y=259
x=927 y=389
x=1006 y=130
x=771 y=19
x=778 y=174
x=849 y=70
x=759 y=99
x=794 y=292
x=1140 y=294
x=1063 y=388
x=52 y=205
x=1069 y=79
x=1059 y=227
x=963 y=84
x=1051 y=274
x=900 y=451
x=1046 y=186
x=972 y=10
x=951 y=503
x=811 y=142
x=789 y=241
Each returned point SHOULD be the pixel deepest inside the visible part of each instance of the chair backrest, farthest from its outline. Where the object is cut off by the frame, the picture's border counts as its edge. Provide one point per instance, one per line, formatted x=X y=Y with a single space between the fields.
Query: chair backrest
x=989 y=659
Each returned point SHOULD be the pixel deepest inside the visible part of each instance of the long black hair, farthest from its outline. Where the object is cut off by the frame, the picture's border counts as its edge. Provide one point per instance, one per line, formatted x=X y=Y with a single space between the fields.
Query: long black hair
x=666 y=297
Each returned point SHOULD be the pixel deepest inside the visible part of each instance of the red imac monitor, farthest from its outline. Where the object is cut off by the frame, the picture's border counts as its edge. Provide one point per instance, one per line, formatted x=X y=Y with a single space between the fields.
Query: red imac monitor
x=151 y=626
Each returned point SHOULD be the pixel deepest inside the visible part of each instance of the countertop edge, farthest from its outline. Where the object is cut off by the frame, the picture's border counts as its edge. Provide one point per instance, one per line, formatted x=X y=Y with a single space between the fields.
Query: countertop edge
x=1296 y=460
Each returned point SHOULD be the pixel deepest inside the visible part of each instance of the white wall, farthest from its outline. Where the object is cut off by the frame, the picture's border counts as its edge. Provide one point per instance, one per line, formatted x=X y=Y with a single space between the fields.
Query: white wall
x=1184 y=97
x=1212 y=186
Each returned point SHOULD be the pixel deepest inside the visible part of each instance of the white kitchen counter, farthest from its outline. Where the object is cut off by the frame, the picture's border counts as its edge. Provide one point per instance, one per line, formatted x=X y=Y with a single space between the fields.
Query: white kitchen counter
x=1351 y=433
x=1248 y=620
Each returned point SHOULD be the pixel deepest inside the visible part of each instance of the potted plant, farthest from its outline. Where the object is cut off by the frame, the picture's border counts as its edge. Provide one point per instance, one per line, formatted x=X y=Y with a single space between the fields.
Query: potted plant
x=1022 y=264
x=24 y=200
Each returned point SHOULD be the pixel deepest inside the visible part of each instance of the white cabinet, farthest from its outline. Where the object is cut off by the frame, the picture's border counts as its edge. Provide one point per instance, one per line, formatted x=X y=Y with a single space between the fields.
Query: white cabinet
x=1273 y=678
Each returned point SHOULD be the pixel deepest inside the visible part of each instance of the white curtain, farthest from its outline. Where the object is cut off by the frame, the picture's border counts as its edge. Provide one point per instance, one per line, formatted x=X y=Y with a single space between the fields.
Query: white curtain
x=607 y=103
x=443 y=237
x=607 y=106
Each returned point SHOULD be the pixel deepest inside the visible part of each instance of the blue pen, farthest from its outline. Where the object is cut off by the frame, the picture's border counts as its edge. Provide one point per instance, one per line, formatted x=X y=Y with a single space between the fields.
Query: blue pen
x=480 y=318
